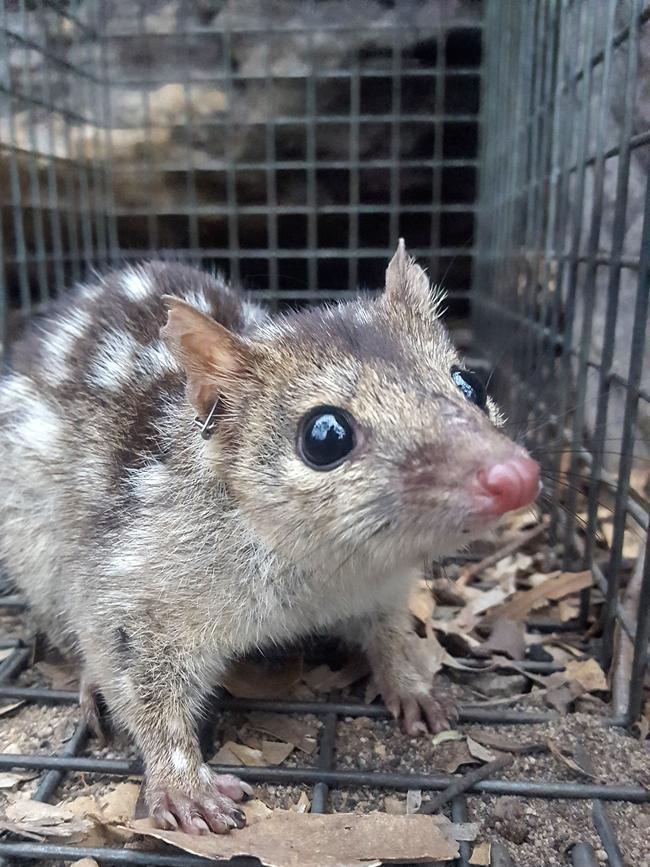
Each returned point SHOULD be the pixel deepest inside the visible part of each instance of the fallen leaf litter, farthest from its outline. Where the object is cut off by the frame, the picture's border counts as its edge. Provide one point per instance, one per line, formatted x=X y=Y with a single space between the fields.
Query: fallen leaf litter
x=481 y=616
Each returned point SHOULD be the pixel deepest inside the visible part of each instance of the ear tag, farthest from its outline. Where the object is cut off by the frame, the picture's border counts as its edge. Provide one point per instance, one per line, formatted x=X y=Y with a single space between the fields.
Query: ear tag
x=206 y=426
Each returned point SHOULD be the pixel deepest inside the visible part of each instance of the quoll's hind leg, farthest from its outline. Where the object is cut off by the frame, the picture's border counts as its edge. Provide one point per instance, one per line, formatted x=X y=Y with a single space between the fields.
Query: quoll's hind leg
x=90 y=711
x=404 y=671
x=157 y=696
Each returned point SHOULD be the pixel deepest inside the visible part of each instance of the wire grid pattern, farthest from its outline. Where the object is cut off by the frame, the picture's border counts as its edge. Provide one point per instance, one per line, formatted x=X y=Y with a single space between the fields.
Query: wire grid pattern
x=67 y=211
x=294 y=178
x=559 y=265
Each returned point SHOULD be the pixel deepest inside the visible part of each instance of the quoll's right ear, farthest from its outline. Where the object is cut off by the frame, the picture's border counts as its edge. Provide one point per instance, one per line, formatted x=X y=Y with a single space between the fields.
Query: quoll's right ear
x=407 y=283
x=214 y=358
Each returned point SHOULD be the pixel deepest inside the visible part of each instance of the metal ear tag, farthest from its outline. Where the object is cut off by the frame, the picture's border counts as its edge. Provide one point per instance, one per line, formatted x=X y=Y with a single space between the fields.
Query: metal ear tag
x=208 y=425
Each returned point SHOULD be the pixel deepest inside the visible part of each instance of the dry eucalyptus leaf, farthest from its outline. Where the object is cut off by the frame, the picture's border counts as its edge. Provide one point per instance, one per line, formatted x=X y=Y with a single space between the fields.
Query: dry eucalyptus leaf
x=59 y=676
x=45 y=820
x=567 y=760
x=481 y=854
x=246 y=679
x=447 y=735
x=588 y=674
x=288 y=839
x=225 y=756
x=302 y=805
x=631 y=542
x=301 y=733
x=421 y=603
x=413 y=801
x=85 y=862
x=8 y=708
x=10 y=781
x=507 y=637
x=256 y=811
x=479 y=751
x=325 y=679
x=274 y=752
x=498 y=742
x=246 y=755
x=452 y=755
x=118 y=805
x=556 y=586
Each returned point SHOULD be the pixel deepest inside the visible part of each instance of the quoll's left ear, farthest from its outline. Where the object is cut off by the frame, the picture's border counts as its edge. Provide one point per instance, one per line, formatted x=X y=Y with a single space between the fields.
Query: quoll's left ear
x=407 y=283
x=214 y=358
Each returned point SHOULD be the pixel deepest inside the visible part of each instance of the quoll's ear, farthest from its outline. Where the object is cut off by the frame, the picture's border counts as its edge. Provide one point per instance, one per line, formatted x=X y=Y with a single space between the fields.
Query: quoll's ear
x=407 y=283
x=213 y=357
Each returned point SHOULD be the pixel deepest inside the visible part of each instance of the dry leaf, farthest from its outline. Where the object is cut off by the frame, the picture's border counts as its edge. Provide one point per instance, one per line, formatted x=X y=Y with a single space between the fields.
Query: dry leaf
x=421 y=602
x=34 y=818
x=6 y=652
x=447 y=735
x=302 y=805
x=85 y=862
x=256 y=811
x=301 y=733
x=394 y=806
x=507 y=637
x=588 y=674
x=60 y=676
x=567 y=611
x=274 y=753
x=481 y=854
x=498 y=742
x=631 y=542
x=225 y=756
x=246 y=679
x=289 y=839
x=451 y=755
x=413 y=801
x=244 y=755
x=479 y=751
x=324 y=679
x=8 y=708
x=556 y=586
x=9 y=781
x=569 y=761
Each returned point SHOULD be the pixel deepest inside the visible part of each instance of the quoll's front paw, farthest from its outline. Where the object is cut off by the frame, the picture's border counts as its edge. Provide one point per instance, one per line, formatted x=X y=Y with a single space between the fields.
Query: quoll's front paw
x=422 y=712
x=198 y=807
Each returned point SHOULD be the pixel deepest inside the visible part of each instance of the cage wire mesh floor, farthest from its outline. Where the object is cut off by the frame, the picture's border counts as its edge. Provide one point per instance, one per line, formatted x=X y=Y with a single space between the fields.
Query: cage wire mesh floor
x=289 y=145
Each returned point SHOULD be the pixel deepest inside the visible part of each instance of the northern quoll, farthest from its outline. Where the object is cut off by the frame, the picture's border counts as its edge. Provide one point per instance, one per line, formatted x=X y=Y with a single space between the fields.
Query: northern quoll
x=340 y=449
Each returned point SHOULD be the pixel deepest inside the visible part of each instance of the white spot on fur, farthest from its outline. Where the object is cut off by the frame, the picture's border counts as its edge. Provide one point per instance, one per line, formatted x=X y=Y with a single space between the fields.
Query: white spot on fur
x=156 y=360
x=175 y=726
x=113 y=363
x=150 y=481
x=253 y=314
x=59 y=343
x=39 y=430
x=205 y=774
x=180 y=762
x=196 y=297
x=136 y=284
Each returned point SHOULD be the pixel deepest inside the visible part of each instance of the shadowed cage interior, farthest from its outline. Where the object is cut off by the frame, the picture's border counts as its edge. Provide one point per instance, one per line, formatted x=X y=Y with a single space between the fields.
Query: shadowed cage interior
x=290 y=145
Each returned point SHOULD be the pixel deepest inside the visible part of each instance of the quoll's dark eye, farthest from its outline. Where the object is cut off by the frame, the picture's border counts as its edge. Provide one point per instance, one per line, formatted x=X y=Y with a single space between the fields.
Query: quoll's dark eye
x=325 y=437
x=470 y=385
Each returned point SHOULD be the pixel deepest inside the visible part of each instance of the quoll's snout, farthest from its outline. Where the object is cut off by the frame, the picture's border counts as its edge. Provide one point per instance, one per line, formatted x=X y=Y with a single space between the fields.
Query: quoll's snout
x=508 y=485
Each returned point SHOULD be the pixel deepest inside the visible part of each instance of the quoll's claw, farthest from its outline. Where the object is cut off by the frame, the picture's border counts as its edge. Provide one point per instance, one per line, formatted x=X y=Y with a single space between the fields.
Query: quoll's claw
x=423 y=713
x=210 y=808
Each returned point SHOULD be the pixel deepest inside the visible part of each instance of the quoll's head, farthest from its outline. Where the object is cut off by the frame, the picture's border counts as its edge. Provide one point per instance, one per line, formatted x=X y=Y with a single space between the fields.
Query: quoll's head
x=354 y=434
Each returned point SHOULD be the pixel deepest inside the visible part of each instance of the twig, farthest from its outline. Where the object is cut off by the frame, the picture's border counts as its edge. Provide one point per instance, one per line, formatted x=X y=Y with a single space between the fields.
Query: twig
x=467 y=781
x=470 y=572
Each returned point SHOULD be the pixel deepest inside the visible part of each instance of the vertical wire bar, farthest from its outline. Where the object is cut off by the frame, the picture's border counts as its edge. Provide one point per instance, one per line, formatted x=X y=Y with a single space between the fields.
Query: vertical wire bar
x=52 y=778
x=637 y=349
x=14 y=174
x=107 y=125
x=438 y=132
x=71 y=203
x=353 y=213
x=312 y=230
x=582 y=111
x=4 y=304
x=641 y=641
x=83 y=160
x=395 y=135
x=53 y=202
x=190 y=180
x=607 y=834
x=325 y=763
x=35 y=200
x=95 y=139
x=271 y=171
x=589 y=285
x=614 y=282
x=148 y=148
x=231 y=180
x=459 y=814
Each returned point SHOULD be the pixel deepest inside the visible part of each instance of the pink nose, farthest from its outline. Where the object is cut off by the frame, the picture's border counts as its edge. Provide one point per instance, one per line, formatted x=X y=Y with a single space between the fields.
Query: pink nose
x=508 y=485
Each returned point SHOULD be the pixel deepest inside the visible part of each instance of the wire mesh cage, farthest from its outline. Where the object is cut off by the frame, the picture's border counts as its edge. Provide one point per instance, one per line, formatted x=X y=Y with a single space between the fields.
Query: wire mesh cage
x=290 y=147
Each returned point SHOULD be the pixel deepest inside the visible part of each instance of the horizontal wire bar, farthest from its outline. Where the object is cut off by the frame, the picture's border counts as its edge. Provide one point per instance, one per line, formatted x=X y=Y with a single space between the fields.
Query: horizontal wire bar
x=273 y=29
x=289 y=75
x=53 y=852
x=348 y=777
